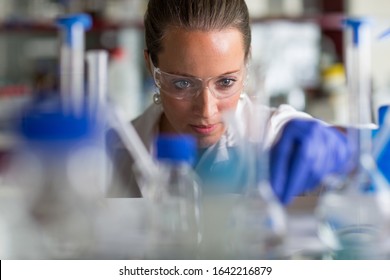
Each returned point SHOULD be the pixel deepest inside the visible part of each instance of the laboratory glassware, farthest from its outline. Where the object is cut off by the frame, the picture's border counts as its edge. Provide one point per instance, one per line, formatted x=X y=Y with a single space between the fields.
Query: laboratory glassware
x=104 y=110
x=257 y=221
x=175 y=211
x=57 y=168
x=353 y=212
x=97 y=62
x=96 y=100
x=72 y=37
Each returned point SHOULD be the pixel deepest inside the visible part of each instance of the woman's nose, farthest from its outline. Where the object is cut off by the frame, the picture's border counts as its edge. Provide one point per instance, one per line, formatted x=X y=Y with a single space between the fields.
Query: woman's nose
x=205 y=104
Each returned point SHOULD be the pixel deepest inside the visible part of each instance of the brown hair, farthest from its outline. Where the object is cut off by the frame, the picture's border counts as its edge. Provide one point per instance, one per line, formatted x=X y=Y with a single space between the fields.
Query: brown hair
x=205 y=15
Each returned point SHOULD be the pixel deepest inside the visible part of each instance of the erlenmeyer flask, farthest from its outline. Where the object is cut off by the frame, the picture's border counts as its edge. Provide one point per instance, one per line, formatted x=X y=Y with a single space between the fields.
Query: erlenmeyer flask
x=353 y=213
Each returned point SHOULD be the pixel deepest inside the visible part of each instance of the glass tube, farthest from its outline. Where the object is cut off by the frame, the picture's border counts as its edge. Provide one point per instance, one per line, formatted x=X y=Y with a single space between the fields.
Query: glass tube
x=72 y=37
x=97 y=61
x=353 y=213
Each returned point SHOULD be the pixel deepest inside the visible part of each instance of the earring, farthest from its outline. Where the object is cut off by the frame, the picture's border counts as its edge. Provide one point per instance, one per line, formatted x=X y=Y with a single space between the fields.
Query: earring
x=157 y=98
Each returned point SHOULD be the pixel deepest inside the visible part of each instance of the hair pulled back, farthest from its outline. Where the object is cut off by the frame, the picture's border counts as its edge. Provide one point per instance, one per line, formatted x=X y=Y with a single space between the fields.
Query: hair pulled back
x=203 y=15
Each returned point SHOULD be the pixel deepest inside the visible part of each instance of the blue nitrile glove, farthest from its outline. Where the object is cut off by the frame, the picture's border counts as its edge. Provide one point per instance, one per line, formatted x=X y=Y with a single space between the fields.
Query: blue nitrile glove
x=306 y=152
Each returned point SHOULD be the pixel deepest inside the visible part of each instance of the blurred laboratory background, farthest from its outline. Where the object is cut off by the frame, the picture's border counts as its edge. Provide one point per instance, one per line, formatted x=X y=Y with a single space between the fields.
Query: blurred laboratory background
x=299 y=41
x=300 y=45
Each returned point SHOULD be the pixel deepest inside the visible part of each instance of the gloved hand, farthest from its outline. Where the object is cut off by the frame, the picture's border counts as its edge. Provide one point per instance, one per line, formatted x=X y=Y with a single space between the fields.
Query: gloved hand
x=306 y=152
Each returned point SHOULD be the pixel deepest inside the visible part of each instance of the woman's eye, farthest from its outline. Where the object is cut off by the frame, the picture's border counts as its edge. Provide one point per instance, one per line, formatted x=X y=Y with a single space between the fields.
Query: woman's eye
x=227 y=82
x=182 y=84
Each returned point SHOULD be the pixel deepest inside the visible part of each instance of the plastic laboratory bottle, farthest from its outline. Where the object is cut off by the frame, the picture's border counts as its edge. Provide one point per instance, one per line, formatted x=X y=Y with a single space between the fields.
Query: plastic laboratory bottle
x=59 y=167
x=175 y=212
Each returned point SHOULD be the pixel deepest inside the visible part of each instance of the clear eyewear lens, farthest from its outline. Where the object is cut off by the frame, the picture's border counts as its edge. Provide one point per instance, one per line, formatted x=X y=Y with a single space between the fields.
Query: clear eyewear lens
x=182 y=87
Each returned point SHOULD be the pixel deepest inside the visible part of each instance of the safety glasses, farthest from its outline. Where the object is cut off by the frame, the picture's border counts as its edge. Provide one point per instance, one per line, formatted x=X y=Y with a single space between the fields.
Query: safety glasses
x=188 y=88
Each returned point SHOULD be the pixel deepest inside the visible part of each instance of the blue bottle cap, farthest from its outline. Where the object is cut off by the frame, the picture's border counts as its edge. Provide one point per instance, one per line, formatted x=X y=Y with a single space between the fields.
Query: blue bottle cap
x=55 y=126
x=176 y=148
x=67 y=22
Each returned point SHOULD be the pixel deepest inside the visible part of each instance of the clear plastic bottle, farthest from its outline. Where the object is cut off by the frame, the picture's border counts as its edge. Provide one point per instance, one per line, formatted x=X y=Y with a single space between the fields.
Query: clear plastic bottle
x=175 y=213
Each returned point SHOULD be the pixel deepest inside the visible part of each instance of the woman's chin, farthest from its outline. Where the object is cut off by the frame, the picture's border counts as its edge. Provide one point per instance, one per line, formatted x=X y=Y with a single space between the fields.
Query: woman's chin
x=205 y=142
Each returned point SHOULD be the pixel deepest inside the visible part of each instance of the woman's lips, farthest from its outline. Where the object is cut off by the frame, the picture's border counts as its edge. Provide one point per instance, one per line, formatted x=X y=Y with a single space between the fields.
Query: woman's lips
x=204 y=129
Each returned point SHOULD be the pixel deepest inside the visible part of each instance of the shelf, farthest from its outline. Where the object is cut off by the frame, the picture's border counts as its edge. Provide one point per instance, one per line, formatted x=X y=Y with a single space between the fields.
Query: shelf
x=329 y=21
x=50 y=27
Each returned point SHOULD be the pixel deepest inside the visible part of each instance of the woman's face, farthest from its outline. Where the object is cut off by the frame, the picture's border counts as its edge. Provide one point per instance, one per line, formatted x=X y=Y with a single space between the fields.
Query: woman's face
x=203 y=55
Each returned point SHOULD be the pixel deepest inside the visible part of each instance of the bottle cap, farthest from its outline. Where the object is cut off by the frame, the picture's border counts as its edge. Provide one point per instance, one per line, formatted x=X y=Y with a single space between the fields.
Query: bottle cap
x=54 y=125
x=176 y=148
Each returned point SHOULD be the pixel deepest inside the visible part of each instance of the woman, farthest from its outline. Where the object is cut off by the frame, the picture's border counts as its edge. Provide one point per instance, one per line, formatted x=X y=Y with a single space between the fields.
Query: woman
x=197 y=52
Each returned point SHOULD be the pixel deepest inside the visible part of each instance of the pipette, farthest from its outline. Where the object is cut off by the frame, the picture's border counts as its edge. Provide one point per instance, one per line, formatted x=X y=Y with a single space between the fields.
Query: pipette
x=72 y=60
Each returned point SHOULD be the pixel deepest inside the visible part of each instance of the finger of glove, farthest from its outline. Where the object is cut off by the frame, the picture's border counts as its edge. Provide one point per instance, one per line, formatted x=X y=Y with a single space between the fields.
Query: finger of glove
x=317 y=156
x=299 y=175
x=342 y=152
x=280 y=158
x=305 y=167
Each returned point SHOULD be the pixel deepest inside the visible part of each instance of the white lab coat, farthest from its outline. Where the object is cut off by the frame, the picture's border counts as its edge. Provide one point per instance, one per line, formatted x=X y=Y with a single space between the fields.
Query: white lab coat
x=147 y=126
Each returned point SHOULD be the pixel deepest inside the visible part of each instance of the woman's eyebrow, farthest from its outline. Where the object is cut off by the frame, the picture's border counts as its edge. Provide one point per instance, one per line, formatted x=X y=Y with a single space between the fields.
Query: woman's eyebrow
x=192 y=76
